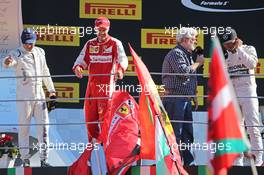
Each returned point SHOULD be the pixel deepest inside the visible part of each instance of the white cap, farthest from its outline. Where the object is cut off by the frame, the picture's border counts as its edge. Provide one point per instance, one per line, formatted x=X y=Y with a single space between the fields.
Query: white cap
x=185 y=32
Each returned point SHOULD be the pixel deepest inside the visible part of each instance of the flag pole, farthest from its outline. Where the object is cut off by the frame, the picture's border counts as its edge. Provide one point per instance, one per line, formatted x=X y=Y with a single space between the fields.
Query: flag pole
x=253 y=166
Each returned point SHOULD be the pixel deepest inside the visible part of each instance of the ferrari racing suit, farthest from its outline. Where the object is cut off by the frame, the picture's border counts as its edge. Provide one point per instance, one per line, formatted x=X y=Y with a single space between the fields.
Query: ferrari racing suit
x=100 y=58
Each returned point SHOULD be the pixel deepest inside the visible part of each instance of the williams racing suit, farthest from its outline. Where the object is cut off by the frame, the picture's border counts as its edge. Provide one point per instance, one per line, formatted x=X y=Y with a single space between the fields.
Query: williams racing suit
x=100 y=58
x=243 y=61
x=27 y=66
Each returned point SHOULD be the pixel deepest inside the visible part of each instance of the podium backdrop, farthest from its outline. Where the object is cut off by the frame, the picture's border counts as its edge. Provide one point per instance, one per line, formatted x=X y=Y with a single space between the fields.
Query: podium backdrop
x=147 y=25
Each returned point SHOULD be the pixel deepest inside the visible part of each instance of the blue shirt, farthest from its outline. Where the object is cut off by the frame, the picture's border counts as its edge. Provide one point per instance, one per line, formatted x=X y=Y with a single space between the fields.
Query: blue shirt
x=179 y=60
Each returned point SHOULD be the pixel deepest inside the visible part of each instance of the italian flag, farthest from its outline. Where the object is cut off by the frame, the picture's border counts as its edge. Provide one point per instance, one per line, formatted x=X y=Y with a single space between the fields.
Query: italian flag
x=223 y=115
x=163 y=163
x=143 y=170
x=19 y=171
x=158 y=141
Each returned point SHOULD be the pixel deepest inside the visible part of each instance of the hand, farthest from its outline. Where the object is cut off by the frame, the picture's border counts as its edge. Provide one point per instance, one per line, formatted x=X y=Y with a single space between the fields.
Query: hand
x=8 y=61
x=52 y=94
x=120 y=74
x=200 y=60
x=195 y=101
x=238 y=42
x=52 y=102
x=78 y=71
x=249 y=155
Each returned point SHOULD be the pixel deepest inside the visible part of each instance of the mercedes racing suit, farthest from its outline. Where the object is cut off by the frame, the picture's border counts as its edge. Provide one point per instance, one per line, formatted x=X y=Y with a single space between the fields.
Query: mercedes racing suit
x=27 y=65
x=100 y=58
x=243 y=61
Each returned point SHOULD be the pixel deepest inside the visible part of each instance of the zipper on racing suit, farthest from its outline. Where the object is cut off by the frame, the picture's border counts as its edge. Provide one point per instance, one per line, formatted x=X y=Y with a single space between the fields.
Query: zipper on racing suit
x=36 y=78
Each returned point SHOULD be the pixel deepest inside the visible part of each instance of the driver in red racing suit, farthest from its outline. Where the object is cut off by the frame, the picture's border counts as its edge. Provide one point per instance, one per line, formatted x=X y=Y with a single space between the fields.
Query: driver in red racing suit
x=101 y=55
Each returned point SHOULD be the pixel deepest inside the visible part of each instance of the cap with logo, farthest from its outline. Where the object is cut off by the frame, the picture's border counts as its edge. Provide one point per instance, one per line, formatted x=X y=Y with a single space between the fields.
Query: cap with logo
x=102 y=22
x=28 y=36
x=229 y=36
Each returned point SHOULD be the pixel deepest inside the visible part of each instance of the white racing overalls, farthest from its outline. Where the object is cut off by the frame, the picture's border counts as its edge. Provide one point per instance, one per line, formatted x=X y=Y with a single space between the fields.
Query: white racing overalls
x=29 y=87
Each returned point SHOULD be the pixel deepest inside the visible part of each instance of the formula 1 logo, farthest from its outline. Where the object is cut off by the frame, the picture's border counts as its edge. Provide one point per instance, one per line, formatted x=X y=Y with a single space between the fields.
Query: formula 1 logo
x=223 y=5
x=113 y=9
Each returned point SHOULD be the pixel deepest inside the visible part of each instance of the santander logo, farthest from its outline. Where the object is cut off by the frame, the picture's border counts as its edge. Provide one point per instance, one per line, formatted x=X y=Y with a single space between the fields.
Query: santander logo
x=223 y=5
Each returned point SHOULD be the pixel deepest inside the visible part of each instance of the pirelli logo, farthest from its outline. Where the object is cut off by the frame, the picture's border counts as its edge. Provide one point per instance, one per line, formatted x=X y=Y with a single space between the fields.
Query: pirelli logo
x=260 y=68
x=56 y=35
x=157 y=38
x=66 y=90
x=131 y=69
x=206 y=67
x=113 y=9
x=200 y=92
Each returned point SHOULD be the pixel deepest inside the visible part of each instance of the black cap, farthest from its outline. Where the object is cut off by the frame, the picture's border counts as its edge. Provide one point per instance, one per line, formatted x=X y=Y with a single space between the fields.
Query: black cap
x=229 y=36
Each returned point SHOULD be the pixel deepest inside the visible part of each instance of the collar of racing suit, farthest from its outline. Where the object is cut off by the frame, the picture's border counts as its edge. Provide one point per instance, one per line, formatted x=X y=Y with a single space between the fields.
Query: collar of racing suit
x=103 y=42
x=25 y=51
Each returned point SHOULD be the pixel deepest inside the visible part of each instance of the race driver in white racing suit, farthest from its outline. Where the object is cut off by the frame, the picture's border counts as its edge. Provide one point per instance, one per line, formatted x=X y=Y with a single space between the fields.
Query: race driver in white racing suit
x=101 y=55
x=28 y=62
x=242 y=59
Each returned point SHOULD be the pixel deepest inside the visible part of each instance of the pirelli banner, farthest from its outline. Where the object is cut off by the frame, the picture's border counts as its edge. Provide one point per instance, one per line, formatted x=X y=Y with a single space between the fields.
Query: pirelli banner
x=56 y=35
x=162 y=38
x=131 y=69
x=114 y=9
x=68 y=92
x=63 y=28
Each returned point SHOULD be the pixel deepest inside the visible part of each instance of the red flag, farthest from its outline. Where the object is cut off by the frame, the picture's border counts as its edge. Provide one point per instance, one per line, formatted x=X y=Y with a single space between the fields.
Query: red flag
x=80 y=167
x=223 y=115
x=120 y=131
x=119 y=136
x=152 y=115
